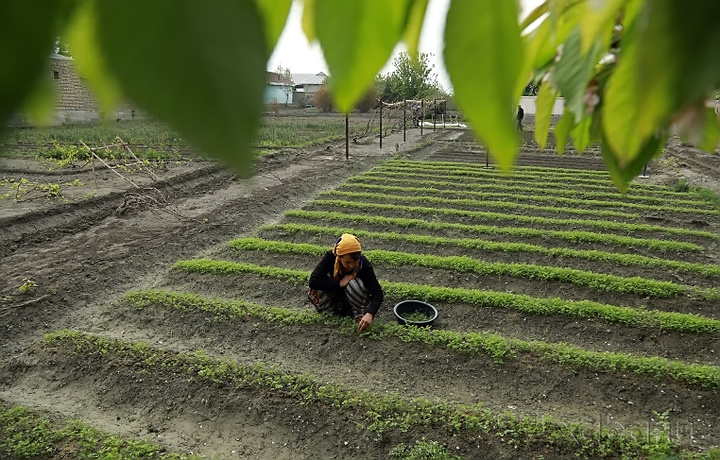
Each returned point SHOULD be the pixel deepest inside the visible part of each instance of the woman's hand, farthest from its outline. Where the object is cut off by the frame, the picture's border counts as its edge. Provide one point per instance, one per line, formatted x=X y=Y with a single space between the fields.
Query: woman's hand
x=365 y=321
x=346 y=279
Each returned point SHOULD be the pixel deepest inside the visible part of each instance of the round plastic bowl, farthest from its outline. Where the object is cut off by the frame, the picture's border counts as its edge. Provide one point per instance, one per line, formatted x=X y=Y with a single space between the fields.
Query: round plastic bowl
x=408 y=307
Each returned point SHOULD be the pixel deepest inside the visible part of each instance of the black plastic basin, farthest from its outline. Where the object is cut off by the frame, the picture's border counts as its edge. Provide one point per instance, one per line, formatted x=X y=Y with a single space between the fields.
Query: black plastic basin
x=406 y=308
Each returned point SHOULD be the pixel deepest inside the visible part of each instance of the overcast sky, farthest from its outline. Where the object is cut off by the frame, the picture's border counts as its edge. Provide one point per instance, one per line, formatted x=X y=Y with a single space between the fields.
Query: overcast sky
x=294 y=52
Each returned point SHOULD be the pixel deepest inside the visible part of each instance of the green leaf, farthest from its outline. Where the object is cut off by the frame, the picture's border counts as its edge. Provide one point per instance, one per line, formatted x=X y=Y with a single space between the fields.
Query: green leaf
x=581 y=134
x=534 y=15
x=622 y=174
x=274 y=13
x=598 y=20
x=357 y=38
x=562 y=131
x=414 y=26
x=711 y=131
x=89 y=59
x=677 y=58
x=484 y=75
x=573 y=72
x=28 y=31
x=199 y=68
x=543 y=113
x=620 y=106
x=543 y=42
x=308 y=20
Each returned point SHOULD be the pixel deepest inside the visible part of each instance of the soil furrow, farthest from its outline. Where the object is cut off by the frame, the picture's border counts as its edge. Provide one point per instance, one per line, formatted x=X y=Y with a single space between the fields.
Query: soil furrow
x=503 y=256
x=589 y=334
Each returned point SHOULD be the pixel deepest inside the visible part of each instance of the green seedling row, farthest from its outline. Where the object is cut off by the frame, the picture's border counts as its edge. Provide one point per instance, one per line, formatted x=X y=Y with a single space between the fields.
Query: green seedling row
x=600 y=224
x=497 y=347
x=460 y=173
x=574 y=236
x=627 y=260
x=462 y=264
x=411 y=194
x=547 y=195
x=559 y=176
x=377 y=413
x=641 y=318
x=544 y=170
x=500 y=184
x=567 y=179
x=25 y=434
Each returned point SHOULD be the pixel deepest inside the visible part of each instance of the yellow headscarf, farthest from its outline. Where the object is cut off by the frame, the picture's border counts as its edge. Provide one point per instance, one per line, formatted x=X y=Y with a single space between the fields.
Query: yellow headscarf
x=346 y=244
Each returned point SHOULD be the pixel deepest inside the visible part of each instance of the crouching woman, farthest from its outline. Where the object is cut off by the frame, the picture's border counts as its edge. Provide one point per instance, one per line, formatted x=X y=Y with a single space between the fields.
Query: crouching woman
x=344 y=283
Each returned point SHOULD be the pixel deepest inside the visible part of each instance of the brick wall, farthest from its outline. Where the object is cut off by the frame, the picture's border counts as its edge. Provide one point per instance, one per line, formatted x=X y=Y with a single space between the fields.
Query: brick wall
x=73 y=94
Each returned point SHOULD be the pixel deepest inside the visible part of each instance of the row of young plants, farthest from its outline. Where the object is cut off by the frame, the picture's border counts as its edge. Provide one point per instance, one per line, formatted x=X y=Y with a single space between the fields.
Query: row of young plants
x=606 y=225
x=377 y=413
x=461 y=170
x=585 y=309
x=676 y=208
x=500 y=349
x=627 y=260
x=503 y=184
x=423 y=195
x=552 y=174
x=463 y=264
x=25 y=434
x=561 y=178
x=574 y=236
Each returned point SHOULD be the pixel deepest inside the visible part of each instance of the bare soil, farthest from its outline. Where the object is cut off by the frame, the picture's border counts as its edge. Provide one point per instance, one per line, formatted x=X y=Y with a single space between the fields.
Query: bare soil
x=84 y=254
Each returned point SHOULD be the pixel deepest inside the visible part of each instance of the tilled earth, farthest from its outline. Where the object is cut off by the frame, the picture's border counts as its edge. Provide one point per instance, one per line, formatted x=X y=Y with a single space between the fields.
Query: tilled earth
x=83 y=255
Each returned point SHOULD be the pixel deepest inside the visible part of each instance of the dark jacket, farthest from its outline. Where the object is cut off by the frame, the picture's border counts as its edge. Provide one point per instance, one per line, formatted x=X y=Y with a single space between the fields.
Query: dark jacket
x=321 y=279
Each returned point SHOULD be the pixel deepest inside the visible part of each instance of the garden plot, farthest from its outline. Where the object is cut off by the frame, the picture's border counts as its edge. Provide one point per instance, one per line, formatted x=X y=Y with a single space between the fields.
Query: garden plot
x=620 y=330
x=574 y=321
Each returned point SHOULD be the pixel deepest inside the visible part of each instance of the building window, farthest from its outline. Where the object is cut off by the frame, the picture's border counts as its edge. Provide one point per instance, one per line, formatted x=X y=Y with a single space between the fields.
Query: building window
x=56 y=75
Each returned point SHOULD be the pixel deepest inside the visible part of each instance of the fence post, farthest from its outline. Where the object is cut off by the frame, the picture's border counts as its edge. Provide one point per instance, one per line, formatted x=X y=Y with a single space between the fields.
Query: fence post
x=347 y=137
x=404 y=118
x=422 y=115
x=381 y=133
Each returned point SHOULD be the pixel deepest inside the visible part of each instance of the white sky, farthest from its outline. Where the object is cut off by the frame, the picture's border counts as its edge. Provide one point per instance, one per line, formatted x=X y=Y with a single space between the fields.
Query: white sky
x=294 y=52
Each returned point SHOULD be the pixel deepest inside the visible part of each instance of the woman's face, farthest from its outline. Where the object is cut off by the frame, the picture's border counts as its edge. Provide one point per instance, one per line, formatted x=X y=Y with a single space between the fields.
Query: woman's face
x=349 y=264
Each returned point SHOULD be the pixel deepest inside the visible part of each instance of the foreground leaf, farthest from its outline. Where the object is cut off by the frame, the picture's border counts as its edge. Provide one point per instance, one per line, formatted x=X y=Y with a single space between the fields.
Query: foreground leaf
x=275 y=13
x=484 y=75
x=414 y=26
x=28 y=31
x=81 y=35
x=622 y=174
x=686 y=32
x=562 y=131
x=543 y=113
x=357 y=39
x=200 y=68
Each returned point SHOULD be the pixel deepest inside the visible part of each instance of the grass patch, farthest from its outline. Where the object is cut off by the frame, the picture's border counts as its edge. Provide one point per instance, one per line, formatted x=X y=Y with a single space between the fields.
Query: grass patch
x=25 y=434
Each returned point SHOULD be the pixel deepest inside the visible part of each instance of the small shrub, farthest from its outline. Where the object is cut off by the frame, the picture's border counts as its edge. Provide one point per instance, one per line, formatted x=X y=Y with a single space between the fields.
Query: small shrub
x=681 y=186
x=323 y=100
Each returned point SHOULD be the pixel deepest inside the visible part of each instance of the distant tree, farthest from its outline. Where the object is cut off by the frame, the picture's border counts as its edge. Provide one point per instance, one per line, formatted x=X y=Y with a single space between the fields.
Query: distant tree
x=62 y=48
x=410 y=79
x=287 y=75
x=323 y=99
x=368 y=101
x=531 y=90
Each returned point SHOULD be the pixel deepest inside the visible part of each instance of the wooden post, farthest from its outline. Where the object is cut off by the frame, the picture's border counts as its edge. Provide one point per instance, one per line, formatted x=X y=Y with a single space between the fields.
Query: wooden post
x=422 y=115
x=381 y=133
x=404 y=118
